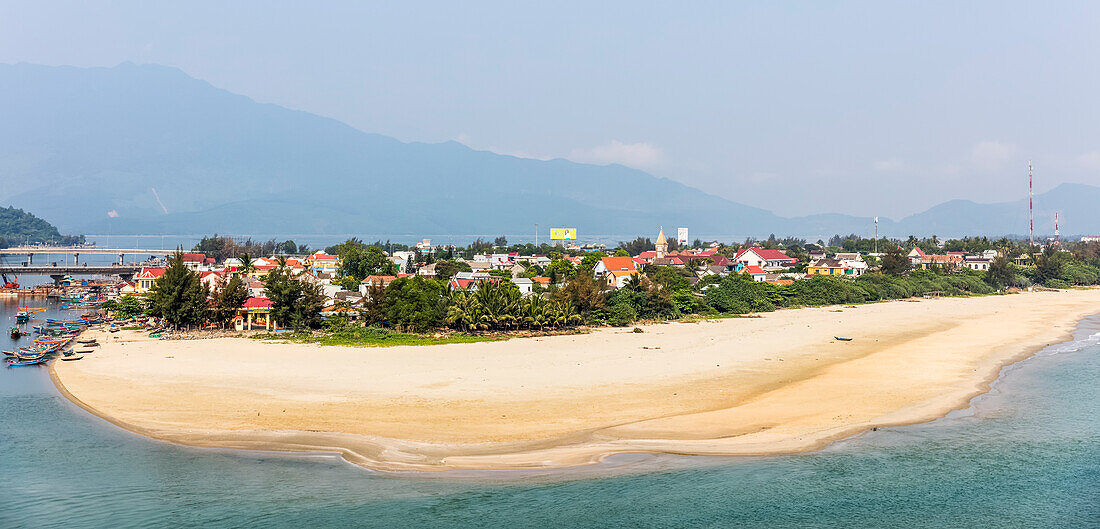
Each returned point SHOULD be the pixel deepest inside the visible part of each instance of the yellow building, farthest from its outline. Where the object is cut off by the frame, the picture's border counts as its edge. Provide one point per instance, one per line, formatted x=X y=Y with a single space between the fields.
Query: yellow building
x=144 y=280
x=825 y=267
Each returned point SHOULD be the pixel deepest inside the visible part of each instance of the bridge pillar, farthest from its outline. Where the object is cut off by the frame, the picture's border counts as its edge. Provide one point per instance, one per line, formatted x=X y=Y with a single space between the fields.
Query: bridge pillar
x=76 y=258
x=30 y=258
x=121 y=258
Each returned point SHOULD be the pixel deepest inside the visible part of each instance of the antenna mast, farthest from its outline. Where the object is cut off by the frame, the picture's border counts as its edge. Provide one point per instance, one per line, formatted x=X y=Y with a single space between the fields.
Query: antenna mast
x=1030 y=208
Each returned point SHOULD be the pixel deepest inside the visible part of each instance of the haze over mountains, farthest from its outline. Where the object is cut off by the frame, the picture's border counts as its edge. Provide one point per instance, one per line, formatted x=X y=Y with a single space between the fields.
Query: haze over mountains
x=149 y=150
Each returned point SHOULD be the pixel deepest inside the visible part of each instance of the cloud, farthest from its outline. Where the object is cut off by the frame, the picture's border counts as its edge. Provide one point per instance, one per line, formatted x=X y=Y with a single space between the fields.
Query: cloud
x=888 y=166
x=1090 y=160
x=636 y=155
x=991 y=155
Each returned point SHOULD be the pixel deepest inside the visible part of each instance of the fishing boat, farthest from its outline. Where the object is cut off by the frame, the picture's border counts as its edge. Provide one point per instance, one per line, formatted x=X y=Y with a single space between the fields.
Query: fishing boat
x=28 y=362
x=15 y=332
x=71 y=358
x=22 y=317
x=32 y=310
x=86 y=341
x=842 y=339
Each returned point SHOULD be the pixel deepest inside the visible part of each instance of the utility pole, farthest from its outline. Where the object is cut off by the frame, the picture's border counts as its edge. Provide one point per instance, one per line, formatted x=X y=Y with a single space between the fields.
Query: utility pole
x=536 y=235
x=876 y=234
x=1030 y=209
x=1056 y=228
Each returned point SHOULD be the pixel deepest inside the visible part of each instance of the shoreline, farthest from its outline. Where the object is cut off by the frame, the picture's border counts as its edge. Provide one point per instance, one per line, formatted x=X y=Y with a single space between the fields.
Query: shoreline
x=699 y=432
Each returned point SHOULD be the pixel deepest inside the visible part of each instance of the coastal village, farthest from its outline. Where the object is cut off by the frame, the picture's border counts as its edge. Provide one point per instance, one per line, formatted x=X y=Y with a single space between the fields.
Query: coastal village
x=699 y=266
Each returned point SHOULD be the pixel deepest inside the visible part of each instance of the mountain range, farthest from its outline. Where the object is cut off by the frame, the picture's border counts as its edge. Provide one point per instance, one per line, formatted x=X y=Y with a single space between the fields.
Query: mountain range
x=147 y=149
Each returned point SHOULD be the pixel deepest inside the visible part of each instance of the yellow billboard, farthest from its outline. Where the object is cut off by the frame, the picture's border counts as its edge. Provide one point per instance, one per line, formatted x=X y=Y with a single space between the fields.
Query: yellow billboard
x=563 y=234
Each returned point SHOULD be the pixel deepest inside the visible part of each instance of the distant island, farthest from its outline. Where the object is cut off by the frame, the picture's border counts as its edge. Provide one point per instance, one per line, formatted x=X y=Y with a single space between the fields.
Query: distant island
x=20 y=227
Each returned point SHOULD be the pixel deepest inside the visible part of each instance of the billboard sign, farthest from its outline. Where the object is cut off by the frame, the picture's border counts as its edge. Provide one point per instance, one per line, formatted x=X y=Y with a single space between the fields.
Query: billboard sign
x=682 y=236
x=563 y=234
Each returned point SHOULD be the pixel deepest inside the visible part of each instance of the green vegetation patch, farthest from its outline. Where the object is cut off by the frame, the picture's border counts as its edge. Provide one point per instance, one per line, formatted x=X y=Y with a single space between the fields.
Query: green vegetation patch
x=374 y=337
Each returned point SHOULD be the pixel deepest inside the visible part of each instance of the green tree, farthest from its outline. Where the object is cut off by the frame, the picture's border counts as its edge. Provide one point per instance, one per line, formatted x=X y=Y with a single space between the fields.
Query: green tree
x=894 y=262
x=178 y=296
x=124 y=307
x=248 y=264
x=446 y=269
x=294 y=303
x=228 y=296
x=1048 y=265
x=359 y=262
x=1001 y=273
x=584 y=293
x=560 y=269
x=415 y=303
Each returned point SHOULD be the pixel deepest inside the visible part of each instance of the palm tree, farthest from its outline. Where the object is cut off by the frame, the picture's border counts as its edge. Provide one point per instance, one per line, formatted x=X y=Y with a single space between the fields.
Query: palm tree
x=248 y=264
x=463 y=311
x=281 y=261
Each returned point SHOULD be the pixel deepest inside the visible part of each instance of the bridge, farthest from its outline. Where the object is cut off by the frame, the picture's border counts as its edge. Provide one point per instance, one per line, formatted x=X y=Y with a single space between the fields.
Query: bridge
x=77 y=251
x=59 y=271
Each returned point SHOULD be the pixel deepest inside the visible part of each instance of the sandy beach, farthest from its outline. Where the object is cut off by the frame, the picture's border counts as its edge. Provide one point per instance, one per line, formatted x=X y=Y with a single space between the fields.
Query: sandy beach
x=775 y=384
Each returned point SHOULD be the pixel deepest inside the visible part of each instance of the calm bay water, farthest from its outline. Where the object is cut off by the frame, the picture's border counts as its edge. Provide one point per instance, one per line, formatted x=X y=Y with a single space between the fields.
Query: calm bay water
x=1026 y=455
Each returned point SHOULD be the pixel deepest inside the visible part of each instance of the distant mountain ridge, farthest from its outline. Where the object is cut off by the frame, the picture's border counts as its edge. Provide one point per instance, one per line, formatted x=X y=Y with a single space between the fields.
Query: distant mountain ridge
x=148 y=149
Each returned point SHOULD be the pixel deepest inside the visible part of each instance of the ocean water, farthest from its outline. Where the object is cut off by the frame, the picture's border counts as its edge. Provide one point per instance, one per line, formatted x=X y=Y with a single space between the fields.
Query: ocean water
x=1025 y=455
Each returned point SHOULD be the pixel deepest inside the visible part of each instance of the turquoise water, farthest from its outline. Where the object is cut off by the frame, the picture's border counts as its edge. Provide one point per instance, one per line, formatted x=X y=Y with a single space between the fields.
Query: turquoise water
x=1026 y=455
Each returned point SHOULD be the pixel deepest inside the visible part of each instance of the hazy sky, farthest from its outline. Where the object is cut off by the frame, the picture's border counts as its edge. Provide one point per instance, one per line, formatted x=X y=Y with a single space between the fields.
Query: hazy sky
x=854 y=107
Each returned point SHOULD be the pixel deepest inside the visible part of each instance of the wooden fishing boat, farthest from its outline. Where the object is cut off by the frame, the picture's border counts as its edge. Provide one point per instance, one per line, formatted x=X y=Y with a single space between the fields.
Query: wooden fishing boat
x=842 y=339
x=71 y=358
x=32 y=310
x=16 y=333
x=28 y=362
x=86 y=340
x=22 y=317
x=58 y=340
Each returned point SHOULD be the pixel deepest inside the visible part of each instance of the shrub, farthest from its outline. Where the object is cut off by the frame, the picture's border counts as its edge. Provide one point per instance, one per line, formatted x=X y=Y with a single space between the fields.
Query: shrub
x=622 y=315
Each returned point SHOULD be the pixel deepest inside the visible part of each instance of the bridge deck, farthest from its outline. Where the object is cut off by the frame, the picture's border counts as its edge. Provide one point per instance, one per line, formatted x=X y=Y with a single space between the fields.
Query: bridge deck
x=122 y=270
x=24 y=250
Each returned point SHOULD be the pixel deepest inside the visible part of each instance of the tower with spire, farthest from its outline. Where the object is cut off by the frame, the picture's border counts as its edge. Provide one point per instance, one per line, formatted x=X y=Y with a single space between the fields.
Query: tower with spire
x=661 y=245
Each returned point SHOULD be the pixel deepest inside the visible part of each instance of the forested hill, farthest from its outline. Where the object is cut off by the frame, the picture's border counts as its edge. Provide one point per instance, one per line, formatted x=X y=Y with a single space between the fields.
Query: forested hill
x=19 y=227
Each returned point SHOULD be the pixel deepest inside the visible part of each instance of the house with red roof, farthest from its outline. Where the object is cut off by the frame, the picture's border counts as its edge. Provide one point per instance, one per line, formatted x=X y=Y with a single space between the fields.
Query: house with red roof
x=145 y=279
x=470 y=283
x=618 y=278
x=915 y=255
x=255 y=311
x=758 y=274
x=322 y=262
x=375 y=281
x=210 y=278
x=764 y=258
x=194 y=261
x=614 y=264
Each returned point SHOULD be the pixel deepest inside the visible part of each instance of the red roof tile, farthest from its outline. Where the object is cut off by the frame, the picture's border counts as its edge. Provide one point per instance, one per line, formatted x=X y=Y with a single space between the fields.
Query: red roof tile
x=147 y=273
x=257 y=303
x=619 y=263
